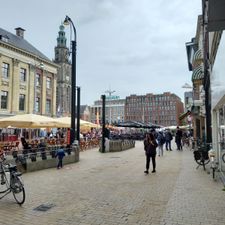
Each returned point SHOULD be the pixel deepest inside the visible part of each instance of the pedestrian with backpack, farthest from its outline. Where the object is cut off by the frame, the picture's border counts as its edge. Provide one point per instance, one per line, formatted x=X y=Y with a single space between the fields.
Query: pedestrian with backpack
x=169 y=138
x=161 y=142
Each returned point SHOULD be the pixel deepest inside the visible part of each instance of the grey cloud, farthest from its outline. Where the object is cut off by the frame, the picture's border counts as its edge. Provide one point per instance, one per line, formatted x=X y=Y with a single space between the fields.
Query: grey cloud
x=129 y=44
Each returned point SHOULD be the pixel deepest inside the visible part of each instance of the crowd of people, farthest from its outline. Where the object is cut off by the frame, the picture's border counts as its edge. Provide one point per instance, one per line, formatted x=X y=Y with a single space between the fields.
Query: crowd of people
x=154 y=144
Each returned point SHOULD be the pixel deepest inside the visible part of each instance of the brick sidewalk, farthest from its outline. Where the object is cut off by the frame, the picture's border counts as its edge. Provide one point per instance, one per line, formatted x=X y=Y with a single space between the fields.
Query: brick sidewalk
x=111 y=188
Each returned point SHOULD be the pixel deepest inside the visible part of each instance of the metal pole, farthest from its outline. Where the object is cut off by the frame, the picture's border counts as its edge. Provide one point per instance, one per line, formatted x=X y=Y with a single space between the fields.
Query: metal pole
x=73 y=93
x=103 y=123
x=78 y=115
x=207 y=82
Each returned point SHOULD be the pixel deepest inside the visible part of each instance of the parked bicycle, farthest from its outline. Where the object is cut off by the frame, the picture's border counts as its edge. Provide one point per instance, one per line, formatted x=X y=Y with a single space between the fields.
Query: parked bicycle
x=201 y=155
x=11 y=181
x=223 y=157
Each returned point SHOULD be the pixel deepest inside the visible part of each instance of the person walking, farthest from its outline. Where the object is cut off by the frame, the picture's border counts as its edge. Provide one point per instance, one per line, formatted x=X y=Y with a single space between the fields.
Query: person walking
x=178 y=138
x=168 y=138
x=161 y=142
x=150 y=146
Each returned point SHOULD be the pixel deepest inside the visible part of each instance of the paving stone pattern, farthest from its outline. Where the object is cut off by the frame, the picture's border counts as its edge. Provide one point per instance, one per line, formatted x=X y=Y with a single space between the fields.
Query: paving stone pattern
x=111 y=189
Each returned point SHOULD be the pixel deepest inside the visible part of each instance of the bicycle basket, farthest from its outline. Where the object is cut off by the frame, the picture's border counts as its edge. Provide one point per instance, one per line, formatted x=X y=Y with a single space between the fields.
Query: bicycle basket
x=197 y=155
x=205 y=155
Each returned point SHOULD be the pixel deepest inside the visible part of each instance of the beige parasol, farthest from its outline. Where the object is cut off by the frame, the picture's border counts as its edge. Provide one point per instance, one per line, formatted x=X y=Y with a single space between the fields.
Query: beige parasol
x=66 y=121
x=29 y=121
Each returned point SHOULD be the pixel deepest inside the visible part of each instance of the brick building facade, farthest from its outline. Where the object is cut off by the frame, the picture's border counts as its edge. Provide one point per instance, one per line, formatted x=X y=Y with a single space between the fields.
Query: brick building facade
x=163 y=109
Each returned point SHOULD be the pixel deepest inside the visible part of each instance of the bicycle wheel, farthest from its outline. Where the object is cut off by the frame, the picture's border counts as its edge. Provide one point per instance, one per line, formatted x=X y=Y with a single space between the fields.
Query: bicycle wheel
x=223 y=157
x=201 y=161
x=18 y=189
x=202 y=158
x=4 y=185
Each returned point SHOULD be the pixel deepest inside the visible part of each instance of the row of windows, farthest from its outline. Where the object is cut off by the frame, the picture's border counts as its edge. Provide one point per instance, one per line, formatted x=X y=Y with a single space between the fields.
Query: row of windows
x=172 y=107
x=119 y=110
x=154 y=120
x=152 y=99
x=153 y=117
x=169 y=103
x=48 y=81
x=23 y=76
x=22 y=98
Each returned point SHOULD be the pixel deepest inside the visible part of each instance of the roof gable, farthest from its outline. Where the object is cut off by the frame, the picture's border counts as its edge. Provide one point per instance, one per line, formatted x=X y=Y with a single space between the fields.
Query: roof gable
x=21 y=43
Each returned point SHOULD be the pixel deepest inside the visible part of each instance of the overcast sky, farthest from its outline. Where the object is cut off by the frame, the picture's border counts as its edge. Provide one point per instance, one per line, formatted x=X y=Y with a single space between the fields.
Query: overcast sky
x=130 y=46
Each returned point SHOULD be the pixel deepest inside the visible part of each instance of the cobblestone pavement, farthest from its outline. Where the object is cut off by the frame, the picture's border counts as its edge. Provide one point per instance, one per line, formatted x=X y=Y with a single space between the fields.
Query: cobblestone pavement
x=111 y=189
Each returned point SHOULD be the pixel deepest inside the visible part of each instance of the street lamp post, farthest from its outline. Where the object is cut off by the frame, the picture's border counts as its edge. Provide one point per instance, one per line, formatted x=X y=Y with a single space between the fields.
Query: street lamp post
x=103 y=123
x=68 y=21
x=78 y=115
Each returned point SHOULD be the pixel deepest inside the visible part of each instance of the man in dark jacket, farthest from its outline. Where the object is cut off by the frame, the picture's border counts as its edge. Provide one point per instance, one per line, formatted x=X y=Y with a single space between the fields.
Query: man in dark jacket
x=178 y=138
x=169 y=138
x=60 y=154
x=150 y=146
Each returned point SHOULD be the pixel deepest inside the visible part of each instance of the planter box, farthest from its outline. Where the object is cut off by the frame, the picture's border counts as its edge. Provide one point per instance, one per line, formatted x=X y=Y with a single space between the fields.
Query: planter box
x=118 y=145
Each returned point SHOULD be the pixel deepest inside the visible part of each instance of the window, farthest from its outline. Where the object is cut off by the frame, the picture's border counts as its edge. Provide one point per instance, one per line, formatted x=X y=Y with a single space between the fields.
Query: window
x=37 y=104
x=4 y=38
x=4 y=99
x=22 y=74
x=48 y=106
x=38 y=80
x=48 y=82
x=5 y=70
x=22 y=102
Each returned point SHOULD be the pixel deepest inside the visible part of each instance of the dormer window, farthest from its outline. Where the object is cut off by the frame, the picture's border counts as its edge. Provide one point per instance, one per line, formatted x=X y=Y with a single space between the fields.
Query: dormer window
x=4 y=38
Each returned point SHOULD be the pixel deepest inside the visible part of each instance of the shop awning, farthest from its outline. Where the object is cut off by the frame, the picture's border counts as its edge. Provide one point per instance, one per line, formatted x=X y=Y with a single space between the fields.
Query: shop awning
x=197 y=58
x=184 y=115
x=198 y=73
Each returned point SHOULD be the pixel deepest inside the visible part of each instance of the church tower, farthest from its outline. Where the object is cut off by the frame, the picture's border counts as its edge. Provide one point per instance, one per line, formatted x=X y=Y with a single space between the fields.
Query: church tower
x=63 y=92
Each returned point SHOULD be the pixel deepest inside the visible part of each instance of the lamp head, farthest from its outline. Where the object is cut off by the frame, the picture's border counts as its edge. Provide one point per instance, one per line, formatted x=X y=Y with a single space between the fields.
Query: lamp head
x=42 y=65
x=66 y=21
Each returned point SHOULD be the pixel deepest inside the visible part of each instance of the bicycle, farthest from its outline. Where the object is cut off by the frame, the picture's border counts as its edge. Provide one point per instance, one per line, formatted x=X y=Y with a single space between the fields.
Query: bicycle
x=11 y=179
x=201 y=155
x=223 y=157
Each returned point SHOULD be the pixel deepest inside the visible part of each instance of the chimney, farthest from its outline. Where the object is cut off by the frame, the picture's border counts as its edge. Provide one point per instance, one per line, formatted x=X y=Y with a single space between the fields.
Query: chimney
x=19 y=32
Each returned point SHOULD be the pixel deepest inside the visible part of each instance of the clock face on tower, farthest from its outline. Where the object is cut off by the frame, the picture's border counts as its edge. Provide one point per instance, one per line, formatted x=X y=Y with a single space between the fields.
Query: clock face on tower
x=66 y=55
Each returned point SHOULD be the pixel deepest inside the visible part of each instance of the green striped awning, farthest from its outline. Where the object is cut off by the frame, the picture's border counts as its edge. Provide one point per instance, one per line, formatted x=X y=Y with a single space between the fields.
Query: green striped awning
x=198 y=73
x=198 y=55
x=197 y=58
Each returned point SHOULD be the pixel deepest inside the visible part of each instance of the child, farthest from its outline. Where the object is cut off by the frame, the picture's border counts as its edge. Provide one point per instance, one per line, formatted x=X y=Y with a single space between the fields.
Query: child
x=60 y=154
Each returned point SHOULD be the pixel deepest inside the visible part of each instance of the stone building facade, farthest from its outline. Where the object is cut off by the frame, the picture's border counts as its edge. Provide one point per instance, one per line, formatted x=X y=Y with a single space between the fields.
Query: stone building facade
x=27 y=77
x=114 y=110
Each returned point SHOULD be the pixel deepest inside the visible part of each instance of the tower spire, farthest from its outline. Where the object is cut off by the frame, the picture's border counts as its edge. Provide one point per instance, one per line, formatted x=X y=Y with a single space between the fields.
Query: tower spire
x=61 y=39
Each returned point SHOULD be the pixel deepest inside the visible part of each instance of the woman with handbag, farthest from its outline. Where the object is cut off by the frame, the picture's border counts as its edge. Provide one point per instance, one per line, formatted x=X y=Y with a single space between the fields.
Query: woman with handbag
x=150 y=146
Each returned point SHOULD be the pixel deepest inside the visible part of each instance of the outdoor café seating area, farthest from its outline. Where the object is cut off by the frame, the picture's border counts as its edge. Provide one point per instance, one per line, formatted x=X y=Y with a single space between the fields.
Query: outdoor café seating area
x=34 y=124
